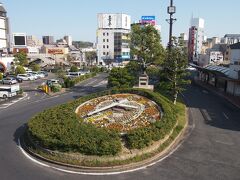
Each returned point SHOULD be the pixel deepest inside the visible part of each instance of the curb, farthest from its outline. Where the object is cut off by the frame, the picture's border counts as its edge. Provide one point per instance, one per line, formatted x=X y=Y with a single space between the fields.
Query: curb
x=173 y=146
x=217 y=93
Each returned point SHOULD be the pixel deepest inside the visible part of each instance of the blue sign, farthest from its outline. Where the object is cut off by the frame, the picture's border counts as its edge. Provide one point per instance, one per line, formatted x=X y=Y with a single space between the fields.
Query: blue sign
x=148 y=18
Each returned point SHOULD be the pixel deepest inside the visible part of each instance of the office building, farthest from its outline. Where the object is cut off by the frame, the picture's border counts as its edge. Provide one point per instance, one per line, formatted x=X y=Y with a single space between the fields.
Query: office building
x=196 y=39
x=68 y=40
x=48 y=40
x=4 y=30
x=113 y=38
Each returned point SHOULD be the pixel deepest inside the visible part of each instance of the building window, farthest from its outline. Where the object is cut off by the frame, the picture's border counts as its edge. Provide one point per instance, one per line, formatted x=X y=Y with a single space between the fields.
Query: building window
x=107 y=40
x=103 y=46
x=107 y=53
x=107 y=46
x=103 y=40
x=107 y=34
x=103 y=34
x=104 y=53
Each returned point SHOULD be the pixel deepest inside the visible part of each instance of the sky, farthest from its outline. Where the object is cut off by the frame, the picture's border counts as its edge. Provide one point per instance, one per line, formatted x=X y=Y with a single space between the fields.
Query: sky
x=78 y=18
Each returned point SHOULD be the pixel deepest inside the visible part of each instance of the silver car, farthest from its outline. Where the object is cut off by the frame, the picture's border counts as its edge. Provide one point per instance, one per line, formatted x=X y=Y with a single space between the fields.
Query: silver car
x=9 y=80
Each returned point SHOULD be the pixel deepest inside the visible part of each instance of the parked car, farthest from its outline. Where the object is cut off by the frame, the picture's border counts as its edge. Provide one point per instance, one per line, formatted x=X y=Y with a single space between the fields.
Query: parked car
x=34 y=76
x=44 y=73
x=19 y=80
x=9 y=80
x=25 y=77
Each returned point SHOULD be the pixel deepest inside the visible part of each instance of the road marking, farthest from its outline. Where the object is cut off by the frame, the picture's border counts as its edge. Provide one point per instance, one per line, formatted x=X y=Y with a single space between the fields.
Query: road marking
x=204 y=91
x=225 y=116
x=205 y=114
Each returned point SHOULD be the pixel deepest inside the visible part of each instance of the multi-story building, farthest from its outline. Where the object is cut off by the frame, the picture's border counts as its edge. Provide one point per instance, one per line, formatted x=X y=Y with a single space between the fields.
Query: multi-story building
x=68 y=40
x=230 y=39
x=196 y=39
x=4 y=30
x=48 y=40
x=33 y=41
x=113 y=38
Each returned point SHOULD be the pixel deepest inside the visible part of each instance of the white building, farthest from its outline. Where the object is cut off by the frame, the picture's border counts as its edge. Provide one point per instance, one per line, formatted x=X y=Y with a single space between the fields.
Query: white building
x=4 y=30
x=68 y=40
x=113 y=38
x=196 y=39
x=235 y=61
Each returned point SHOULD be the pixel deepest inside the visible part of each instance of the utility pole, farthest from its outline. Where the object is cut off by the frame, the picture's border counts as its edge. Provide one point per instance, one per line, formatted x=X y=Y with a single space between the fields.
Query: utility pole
x=171 y=10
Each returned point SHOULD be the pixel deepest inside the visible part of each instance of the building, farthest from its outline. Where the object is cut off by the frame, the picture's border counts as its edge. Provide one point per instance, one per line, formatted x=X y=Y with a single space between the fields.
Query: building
x=48 y=40
x=19 y=43
x=196 y=39
x=113 y=38
x=230 y=39
x=68 y=40
x=33 y=41
x=4 y=31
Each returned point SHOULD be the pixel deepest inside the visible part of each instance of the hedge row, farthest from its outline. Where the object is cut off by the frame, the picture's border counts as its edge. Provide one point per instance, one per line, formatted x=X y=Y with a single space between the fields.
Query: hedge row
x=60 y=129
x=68 y=82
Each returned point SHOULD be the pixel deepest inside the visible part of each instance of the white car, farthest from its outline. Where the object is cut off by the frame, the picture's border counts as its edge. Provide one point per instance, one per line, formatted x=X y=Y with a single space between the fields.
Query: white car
x=34 y=76
x=25 y=77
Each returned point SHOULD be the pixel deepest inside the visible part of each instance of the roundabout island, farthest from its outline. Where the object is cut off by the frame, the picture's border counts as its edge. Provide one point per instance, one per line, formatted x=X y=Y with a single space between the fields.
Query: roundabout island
x=106 y=131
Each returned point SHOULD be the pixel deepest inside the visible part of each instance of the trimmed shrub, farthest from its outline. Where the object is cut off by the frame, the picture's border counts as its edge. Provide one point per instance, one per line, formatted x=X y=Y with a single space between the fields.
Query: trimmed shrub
x=60 y=129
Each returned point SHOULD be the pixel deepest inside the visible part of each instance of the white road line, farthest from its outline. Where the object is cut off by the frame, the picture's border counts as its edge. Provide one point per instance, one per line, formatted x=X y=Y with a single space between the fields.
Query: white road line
x=101 y=174
x=225 y=116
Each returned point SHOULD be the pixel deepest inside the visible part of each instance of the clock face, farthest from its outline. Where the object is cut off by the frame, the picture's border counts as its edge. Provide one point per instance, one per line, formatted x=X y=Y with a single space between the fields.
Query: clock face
x=121 y=112
x=171 y=9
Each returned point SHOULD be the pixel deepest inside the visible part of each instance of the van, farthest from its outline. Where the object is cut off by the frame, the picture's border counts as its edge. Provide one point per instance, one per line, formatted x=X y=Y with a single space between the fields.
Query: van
x=7 y=91
x=74 y=74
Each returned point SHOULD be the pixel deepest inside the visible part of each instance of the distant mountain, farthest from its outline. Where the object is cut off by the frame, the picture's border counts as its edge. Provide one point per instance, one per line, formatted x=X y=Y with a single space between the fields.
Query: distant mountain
x=82 y=44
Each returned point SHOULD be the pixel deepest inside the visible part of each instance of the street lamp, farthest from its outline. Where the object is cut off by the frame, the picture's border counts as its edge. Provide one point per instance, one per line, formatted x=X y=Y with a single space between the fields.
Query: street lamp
x=171 y=10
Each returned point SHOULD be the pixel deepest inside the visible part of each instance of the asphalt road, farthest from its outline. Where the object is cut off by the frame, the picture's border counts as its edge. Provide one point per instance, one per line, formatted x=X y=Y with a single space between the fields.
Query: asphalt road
x=210 y=152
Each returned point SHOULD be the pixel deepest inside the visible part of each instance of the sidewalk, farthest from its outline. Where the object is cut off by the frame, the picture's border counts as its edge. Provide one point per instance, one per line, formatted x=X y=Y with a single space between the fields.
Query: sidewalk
x=235 y=100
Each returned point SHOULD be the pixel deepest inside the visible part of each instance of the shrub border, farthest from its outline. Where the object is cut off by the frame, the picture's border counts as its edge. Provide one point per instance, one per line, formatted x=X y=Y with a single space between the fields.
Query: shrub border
x=173 y=138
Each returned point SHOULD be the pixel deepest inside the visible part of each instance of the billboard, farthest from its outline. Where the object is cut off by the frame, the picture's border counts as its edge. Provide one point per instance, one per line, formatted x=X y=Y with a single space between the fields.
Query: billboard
x=148 y=20
x=55 y=51
x=113 y=21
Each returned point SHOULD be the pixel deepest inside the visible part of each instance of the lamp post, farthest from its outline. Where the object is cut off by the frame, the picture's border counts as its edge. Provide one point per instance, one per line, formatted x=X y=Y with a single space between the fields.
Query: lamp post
x=171 y=10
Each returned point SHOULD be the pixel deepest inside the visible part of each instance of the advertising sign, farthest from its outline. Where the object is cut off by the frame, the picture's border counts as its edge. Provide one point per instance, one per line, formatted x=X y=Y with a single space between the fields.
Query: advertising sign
x=148 y=20
x=55 y=51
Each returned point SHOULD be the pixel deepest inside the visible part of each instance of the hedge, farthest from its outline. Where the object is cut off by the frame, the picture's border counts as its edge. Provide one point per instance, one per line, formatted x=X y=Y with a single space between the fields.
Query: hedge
x=60 y=129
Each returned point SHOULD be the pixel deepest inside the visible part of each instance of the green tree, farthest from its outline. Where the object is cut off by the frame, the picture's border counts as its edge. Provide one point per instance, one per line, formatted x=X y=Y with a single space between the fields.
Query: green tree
x=74 y=69
x=20 y=70
x=146 y=45
x=35 y=67
x=175 y=66
x=120 y=78
x=134 y=69
x=21 y=59
x=1 y=76
x=90 y=57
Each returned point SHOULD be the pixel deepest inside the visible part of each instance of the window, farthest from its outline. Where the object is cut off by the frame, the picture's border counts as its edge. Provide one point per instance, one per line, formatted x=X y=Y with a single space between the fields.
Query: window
x=107 y=34
x=104 y=53
x=103 y=40
x=107 y=53
x=103 y=34
x=107 y=40
x=107 y=46
x=103 y=46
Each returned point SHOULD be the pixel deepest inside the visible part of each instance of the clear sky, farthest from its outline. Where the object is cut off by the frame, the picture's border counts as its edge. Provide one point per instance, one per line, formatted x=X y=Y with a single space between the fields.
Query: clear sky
x=78 y=18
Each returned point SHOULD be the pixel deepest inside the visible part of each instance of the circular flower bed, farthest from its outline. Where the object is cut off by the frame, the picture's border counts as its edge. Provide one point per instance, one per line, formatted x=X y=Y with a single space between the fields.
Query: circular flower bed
x=121 y=112
x=93 y=127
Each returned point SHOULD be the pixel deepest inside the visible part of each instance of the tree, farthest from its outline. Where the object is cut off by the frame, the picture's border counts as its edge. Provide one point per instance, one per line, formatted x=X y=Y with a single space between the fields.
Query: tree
x=134 y=69
x=120 y=78
x=175 y=66
x=21 y=59
x=74 y=69
x=35 y=67
x=146 y=45
x=20 y=70
x=90 y=57
x=1 y=76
